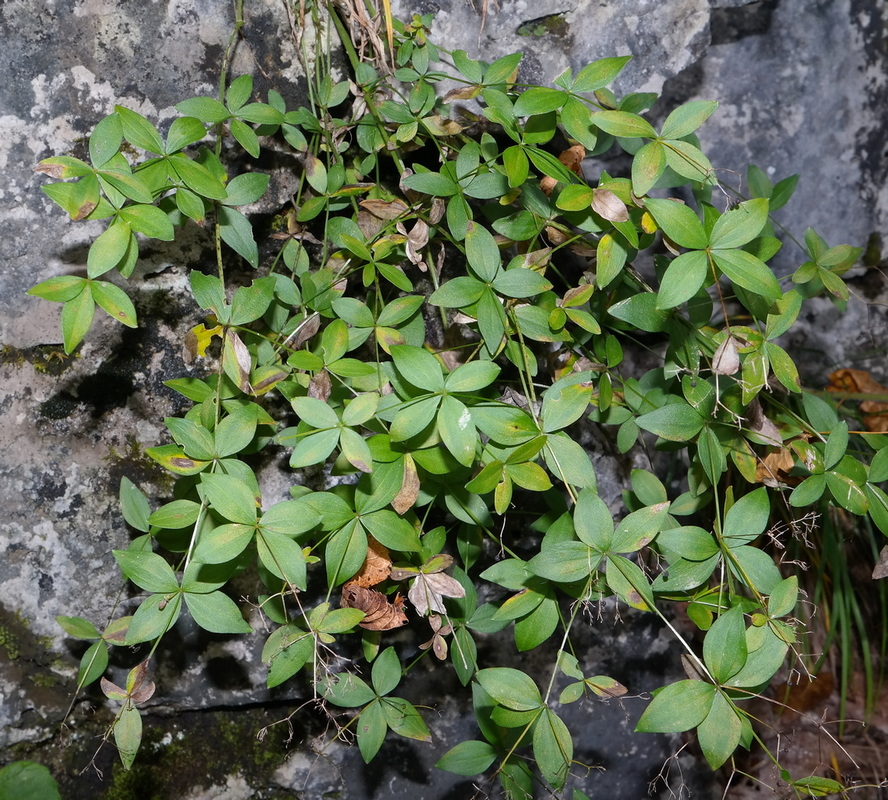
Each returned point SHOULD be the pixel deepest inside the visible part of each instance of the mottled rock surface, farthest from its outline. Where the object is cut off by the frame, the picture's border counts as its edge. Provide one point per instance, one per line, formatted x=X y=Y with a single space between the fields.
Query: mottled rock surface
x=803 y=88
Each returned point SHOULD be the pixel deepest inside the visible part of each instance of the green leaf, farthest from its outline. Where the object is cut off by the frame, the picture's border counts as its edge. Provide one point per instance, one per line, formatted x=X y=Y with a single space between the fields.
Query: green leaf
x=414 y=418
x=93 y=664
x=246 y=188
x=236 y=431
x=108 y=250
x=176 y=514
x=569 y=461
x=206 y=109
x=747 y=518
x=565 y=562
x=740 y=225
x=629 y=583
x=456 y=430
x=419 y=366
x=539 y=100
x=183 y=132
x=677 y=707
x=808 y=491
x=283 y=557
x=482 y=252
x=78 y=199
x=689 y=161
x=345 y=553
x=564 y=403
x=347 y=690
x=814 y=786
x=576 y=119
x=836 y=445
x=139 y=131
x=575 y=197
x=847 y=493
x=217 y=613
x=403 y=718
x=105 y=140
x=198 y=178
x=246 y=138
x=260 y=114
x=471 y=377
x=755 y=568
x=59 y=289
x=685 y=119
x=458 y=292
x=134 y=505
x=622 y=123
x=767 y=652
x=611 y=258
x=229 y=497
x=552 y=748
x=599 y=74
x=128 y=735
x=387 y=672
x=239 y=92
x=468 y=758
x=639 y=528
x=78 y=627
x=157 y=614
x=510 y=687
x=502 y=69
x=678 y=222
x=677 y=422
x=115 y=302
x=749 y=272
x=237 y=232
x=684 y=277
x=208 y=292
x=724 y=648
x=648 y=165
x=147 y=570
x=592 y=521
x=287 y=651
x=520 y=282
x=371 y=730
x=719 y=733
x=431 y=183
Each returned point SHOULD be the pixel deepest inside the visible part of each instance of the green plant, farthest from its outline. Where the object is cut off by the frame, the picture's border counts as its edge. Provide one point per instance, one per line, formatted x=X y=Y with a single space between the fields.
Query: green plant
x=452 y=308
x=25 y=780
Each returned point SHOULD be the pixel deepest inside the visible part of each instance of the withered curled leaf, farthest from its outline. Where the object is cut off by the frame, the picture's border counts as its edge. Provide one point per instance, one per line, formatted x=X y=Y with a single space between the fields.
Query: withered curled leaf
x=377 y=565
x=726 y=360
x=381 y=615
x=606 y=204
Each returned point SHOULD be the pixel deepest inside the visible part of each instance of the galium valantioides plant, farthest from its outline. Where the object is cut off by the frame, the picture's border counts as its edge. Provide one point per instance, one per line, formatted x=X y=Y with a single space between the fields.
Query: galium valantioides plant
x=447 y=311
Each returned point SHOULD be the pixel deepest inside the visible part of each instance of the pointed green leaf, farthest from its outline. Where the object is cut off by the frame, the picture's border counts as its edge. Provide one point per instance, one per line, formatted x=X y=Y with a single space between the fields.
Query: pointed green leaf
x=677 y=707
x=217 y=613
x=678 y=222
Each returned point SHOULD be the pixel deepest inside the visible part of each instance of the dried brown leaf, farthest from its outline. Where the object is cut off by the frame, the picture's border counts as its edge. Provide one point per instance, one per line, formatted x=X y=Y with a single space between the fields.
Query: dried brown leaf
x=377 y=565
x=307 y=329
x=384 y=209
x=380 y=614
x=881 y=570
x=572 y=158
x=760 y=424
x=409 y=491
x=459 y=93
x=726 y=360
x=773 y=470
x=606 y=204
x=860 y=382
x=320 y=386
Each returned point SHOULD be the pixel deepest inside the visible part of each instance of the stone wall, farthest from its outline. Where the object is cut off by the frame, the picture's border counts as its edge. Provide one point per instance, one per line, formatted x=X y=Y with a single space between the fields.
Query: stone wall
x=803 y=87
